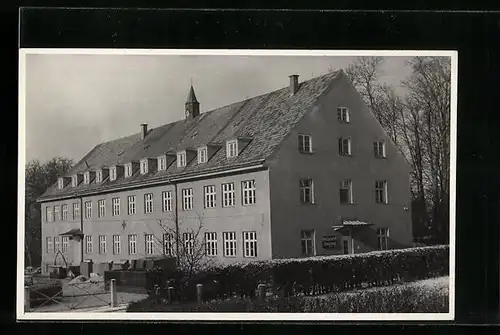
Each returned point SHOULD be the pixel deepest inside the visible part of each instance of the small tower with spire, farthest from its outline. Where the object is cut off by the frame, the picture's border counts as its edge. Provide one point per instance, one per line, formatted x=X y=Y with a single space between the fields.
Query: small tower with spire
x=192 y=105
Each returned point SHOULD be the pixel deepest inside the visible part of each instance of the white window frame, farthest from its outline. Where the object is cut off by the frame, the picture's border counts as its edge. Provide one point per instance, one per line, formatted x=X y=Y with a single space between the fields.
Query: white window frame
x=228 y=194
x=305 y=143
x=115 y=204
x=117 y=244
x=181 y=159
x=379 y=149
x=381 y=196
x=148 y=203
x=76 y=210
x=168 y=244
x=383 y=238
x=249 y=244
x=49 y=214
x=101 y=203
x=307 y=241
x=128 y=170
x=210 y=196
x=248 y=192
x=49 y=246
x=60 y=183
x=211 y=244
x=132 y=244
x=202 y=155
x=74 y=180
x=305 y=185
x=102 y=245
x=149 y=240
x=98 y=176
x=88 y=210
x=89 y=247
x=344 y=146
x=65 y=244
x=64 y=212
x=57 y=243
x=144 y=166
x=229 y=243
x=166 y=197
x=162 y=163
x=86 y=178
x=187 y=199
x=131 y=205
x=188 y=239
x=343 y=114
x=346 y=184
x=57 y=213
x=232 y=148
x=112 y=173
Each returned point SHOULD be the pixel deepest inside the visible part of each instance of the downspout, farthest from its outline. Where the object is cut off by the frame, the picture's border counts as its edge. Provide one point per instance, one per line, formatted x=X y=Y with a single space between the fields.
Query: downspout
x=177 y=240
x=81 y=229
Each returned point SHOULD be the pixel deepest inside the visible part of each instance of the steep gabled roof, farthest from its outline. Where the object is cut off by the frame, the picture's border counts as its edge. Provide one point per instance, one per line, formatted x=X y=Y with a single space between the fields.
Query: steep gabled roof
x=265 y=119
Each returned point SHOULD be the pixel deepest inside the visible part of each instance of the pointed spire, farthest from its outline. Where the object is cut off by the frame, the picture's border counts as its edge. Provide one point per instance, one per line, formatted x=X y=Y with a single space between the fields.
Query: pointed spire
x=191 y=96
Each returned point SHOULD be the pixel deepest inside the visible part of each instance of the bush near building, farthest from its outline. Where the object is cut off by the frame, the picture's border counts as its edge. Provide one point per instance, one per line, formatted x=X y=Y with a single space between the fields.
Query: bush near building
x=310 y=276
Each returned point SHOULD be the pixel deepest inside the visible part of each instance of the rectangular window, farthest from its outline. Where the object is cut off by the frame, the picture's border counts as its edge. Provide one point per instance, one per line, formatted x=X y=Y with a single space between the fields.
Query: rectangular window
x=132 y=244
x=48 y=245
x=249 y=244
x=228 y=195
x=117 y=244
x=345 y=246
x=60 y=183
x=187 y=199
x=381 y=192
x=343 y=114
x=344 y=146
x=57 y=213
x=248 y=192
x=202 y=155
x=209 y=192
x=131 y=204
x=88 y=209
x=168 y=244
x=88 y=244
x=162 y=163
x=112 y=173
x=57 y=244
x=86 y=178
x=306 y=191
x=128 y=170
x=181 y=159
x=211 y=244
x=102 y=208
x=65 y=244
x=76 y=210
x=115 y=202
x=64 y=212
x=308 y=243
x=48 y=213
x=167 y=201
x=229 y=241
x=144 y=166
x=232 y=148
x=379 y=149
x=383 y=238
x=149 y=244
x=74 y=181
x=305 y=144
x=98 y=176
x=102 y=244
x=148 y=203
x=346 y=192
x=188 y=243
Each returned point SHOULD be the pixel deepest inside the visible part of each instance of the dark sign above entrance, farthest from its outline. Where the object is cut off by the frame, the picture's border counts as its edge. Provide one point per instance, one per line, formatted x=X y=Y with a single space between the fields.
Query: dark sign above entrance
x=329 y=242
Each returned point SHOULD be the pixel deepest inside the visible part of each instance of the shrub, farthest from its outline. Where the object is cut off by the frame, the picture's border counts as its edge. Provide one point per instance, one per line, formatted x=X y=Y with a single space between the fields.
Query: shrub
x=40 y=293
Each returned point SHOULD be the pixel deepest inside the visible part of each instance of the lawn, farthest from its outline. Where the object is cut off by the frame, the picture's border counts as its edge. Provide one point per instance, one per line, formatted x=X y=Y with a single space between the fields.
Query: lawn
x=424 y=296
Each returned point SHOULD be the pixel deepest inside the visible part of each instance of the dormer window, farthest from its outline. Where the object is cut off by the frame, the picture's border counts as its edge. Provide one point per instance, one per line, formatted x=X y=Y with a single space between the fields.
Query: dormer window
x=232 y=148
x=144 y=166
x=98 y=176
x=162 y=163
x=86 y=177
x=202 y=155
x=60 y=183
x=128 y=170
x=112 y=173
x=74 y=181
x=181 y=159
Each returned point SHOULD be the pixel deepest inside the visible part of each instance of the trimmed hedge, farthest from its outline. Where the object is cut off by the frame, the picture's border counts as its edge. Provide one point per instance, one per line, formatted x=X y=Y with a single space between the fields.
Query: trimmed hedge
x=314 y=275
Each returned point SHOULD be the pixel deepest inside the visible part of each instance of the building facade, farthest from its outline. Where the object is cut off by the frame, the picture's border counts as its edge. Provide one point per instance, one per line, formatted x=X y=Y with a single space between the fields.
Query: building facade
x=306 y=170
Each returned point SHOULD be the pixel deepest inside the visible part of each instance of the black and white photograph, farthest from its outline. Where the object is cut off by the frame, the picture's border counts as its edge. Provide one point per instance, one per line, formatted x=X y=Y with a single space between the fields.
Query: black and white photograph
x=236 y=184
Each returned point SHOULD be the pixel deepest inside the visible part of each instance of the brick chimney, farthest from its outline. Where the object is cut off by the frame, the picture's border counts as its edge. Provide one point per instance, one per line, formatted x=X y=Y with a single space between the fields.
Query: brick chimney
x=144 y=130
x=294 y=84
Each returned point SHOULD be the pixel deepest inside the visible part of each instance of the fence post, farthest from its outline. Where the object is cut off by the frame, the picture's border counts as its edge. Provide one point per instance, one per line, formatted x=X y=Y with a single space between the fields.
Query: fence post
x=170 y=294
x=262 y=292
x=199 y=293
x=113 y=293
x=27 y=299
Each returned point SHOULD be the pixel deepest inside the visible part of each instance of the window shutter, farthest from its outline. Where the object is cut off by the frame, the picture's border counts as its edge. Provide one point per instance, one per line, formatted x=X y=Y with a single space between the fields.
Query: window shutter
x=340 y=146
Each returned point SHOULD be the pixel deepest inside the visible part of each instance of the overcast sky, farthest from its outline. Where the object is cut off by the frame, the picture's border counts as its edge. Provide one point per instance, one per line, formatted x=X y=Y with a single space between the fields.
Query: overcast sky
x=74 y=102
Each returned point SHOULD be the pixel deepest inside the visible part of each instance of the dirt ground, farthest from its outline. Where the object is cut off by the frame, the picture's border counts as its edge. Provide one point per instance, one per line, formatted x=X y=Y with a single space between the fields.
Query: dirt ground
x=78 y=297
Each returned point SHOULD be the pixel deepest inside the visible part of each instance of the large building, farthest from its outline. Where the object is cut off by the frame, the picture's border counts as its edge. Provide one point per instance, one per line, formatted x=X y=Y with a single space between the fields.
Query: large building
x=305 y=170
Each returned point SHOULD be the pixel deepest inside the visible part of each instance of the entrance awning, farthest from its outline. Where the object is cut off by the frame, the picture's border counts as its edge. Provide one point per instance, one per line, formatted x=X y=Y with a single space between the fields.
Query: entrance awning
x=351 y=224
x=72 y=232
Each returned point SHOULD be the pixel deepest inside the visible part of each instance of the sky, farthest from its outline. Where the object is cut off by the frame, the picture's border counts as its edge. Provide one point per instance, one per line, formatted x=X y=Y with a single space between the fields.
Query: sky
x=75 y=102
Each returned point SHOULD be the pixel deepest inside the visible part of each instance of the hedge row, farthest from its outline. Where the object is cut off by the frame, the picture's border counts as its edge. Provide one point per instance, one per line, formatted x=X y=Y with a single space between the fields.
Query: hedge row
x=310 y=276
x=40 y=293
